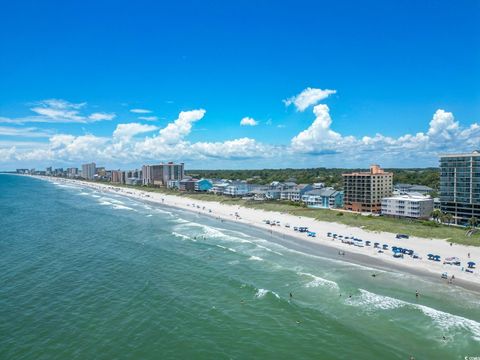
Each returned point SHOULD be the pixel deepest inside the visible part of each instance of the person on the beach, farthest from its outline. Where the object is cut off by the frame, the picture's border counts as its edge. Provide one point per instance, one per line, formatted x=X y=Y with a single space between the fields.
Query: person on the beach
x=468 y=255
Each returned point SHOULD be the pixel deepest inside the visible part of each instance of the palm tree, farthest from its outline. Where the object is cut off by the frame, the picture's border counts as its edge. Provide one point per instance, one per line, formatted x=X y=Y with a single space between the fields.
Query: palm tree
x=448 y=218
x=436 y=214
x=473 y=221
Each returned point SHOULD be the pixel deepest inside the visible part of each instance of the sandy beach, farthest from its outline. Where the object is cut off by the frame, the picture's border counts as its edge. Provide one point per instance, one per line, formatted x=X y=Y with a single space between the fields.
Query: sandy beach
x=256 y=218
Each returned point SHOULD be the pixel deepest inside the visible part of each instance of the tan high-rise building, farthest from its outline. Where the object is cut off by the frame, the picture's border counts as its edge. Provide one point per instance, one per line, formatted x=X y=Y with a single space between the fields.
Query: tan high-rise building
x=363 y=191
x=159 y=175
x=118 y=177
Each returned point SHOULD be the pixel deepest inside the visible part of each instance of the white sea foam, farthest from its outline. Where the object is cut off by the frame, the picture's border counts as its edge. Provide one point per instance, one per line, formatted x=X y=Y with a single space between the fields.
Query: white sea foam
x=115 y=201
x=443 y=320
x=160 y=211
x=346 y=265
x=449 y=321
x=268 y=249
x=256 y=258
x=226 y=248
x=181 y=236
x=122 y=207
x=262 y=292
x=319 y=281
x=371 y=301
x=149 y=215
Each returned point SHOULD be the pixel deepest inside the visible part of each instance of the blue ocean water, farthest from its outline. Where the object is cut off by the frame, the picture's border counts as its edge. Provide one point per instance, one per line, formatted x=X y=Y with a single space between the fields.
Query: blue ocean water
x=86 y=275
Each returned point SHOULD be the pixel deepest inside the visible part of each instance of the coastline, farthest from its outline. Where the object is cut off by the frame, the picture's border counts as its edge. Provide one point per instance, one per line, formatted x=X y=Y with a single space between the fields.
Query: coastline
x=321 y=244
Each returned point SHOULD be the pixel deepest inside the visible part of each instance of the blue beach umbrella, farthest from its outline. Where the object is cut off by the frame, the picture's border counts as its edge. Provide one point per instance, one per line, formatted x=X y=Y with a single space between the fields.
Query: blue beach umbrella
x=471 y=264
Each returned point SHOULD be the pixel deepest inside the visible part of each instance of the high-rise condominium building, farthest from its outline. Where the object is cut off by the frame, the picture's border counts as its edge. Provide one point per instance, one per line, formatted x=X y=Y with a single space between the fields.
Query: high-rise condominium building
x=460 y=186
x=363 y=191
x=118 y=177
x=88 y=171
x=159 y=175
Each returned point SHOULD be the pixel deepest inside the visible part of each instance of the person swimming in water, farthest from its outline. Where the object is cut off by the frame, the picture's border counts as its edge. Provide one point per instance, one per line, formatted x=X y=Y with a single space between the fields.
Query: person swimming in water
x=416 y=294
x=291 y=295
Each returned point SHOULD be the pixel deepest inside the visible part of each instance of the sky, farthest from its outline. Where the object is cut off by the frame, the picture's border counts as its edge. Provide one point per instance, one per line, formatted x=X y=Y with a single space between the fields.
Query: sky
x=250 y=84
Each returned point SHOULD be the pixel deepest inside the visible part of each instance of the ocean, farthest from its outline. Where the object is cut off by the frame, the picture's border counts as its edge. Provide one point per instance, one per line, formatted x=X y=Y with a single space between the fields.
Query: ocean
x=91 y=275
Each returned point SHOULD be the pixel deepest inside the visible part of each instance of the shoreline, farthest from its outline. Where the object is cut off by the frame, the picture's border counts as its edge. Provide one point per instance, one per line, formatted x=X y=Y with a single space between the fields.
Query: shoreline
x=321 y=244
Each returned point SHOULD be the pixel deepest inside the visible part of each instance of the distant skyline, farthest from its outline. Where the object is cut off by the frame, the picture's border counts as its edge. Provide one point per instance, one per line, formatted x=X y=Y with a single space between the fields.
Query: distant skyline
x=238 y=85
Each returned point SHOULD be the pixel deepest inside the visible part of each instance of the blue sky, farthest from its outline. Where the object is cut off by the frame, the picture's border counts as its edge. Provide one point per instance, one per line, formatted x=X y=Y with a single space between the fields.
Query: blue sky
x=396 y=70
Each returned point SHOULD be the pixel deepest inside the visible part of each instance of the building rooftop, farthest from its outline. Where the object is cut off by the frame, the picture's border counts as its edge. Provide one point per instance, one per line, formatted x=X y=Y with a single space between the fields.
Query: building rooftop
x=473 y=153
x=374 y=170
x=322 y=192
x=416 y=197
x=414 y=187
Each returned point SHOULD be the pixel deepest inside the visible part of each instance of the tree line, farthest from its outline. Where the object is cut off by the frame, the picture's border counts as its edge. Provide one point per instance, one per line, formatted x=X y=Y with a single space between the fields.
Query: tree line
x=331 y=177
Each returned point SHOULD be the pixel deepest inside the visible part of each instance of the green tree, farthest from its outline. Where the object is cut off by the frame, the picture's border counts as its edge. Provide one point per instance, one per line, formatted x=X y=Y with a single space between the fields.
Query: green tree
x=473 y=221
x=436 y=214
x=447 y=218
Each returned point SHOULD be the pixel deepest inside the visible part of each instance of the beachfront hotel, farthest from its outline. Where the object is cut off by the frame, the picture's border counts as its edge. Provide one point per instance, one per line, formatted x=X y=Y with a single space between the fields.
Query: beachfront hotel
x=88 y=171
x=460 y=186
x=416 y=206
x=160 y=175
x=118 y=177
x=364 y=191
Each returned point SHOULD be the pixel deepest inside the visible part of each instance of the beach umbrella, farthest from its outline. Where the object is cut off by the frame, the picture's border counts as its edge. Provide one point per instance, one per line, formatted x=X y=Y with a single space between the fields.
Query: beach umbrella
x=471 y=264
x=430 y=255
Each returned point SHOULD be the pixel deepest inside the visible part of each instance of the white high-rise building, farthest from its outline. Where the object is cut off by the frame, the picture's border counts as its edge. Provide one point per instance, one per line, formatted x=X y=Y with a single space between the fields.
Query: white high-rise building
x=88 y=171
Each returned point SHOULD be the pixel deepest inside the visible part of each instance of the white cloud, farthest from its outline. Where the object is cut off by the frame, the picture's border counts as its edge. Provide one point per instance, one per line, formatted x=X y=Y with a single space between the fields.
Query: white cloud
x=30 y=132
x=127 y=131
x=181 y=127
x=101 y=116
x=148 y=118
x=443 y=135
x=124 y=146
x=58 y=111
x=57 y=115
x=308 y=97
x=248 y=121
x=60 y=104
x=443 y=125
x=318 y=135
x=140 y=111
